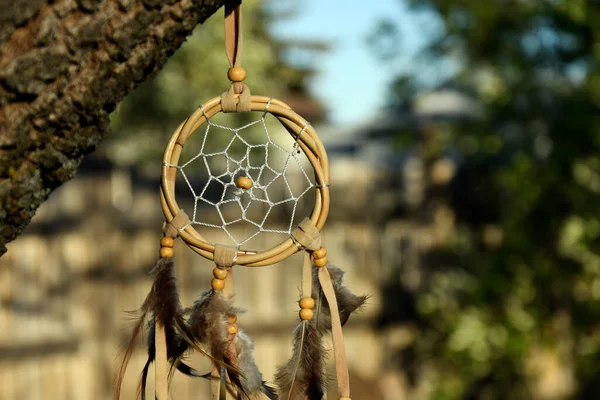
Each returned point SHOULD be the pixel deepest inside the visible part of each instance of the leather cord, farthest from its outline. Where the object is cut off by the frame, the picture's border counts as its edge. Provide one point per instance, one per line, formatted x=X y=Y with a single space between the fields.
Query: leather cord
x=179 y=221
x=307 y=235
x=238 y=97
x=161 y=371
x=233 y=37
x=341 y=363
x=224 y=259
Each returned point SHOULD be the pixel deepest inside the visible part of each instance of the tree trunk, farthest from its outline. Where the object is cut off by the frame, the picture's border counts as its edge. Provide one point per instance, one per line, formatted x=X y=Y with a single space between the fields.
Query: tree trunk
x=64 y=65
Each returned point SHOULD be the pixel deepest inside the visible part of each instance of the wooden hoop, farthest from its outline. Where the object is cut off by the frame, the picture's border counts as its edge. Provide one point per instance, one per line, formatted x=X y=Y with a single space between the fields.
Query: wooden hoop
x=299 y=129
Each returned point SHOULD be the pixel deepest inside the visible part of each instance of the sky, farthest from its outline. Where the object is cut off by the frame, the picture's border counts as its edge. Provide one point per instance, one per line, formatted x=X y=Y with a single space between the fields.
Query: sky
x=352 y=82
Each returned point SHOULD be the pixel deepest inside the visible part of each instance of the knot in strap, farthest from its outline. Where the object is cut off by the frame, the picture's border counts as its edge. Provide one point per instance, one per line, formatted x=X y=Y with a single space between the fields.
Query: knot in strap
x=225 y=256
x=238 y=97
x=307 y=235
x=243 y=102
x=339 y=352
x=224 y=259
x=179 y=222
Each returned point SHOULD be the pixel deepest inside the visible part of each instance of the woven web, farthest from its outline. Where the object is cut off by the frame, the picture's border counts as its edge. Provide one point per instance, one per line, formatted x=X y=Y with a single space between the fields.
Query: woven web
x=242 y=155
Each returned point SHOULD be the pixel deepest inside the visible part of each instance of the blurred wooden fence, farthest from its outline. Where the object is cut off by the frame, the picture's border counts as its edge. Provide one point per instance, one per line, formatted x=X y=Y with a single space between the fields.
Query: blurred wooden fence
x=65 y=284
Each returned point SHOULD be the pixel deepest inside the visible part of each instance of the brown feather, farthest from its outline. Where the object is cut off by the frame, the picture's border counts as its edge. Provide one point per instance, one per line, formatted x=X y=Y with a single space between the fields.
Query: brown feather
x=348 y=302
x=303 y=376
x=251 y=382
x=141 y=391
x=176 y=348
x=163 y=302
x=208 y=326
x=127 y=356
x=147 y=305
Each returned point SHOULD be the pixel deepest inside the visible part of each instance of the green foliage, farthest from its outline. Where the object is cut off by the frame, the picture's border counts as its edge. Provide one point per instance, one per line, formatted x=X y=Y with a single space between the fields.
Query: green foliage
x=494 y=316
x=197 y=72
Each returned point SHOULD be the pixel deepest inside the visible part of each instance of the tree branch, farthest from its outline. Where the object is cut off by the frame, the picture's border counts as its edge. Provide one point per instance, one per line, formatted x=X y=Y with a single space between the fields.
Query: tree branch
x=63 y=68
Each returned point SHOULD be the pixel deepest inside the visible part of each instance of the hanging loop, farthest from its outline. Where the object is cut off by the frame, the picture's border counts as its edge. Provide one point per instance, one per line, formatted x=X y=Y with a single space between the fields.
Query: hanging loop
x=310 y=144
x=179 y=222
x=233 y=36
x=307 y=235
x=237 y=98
x=225 y=256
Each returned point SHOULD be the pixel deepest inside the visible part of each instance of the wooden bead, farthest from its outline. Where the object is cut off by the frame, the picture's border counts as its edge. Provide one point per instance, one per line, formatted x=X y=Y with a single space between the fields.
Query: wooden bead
x=166 y=252
x=167 y=242
x=217 y=284
x=320 y=262
x=236 y=74
x=232 y=318
x=307 y=303
x=243 y=182
x=321 y=253
x=306 y=314
x=232 y=329
x=220 y=273
x=345 y=398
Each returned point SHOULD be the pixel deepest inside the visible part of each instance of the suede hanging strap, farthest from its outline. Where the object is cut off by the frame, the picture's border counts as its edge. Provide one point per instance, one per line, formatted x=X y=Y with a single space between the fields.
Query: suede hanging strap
x=309 y=237
x=233 y=36
x=224 y=258
x=307 y=276
x=215 y=383
x=179 y=222
x=238 y=97
x=161 y=371
x=341 y=364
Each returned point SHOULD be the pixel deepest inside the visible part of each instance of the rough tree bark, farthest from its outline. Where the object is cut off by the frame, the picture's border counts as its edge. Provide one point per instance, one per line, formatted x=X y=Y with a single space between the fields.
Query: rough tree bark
x=64 y=65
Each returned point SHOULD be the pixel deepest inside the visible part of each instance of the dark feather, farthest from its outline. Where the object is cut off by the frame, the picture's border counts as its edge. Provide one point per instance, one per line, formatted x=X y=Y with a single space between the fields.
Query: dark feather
x=266 y=389
x=176 y=348
x=347 y=301
x=303 y=376
x=148 y=306
x=163 y=303
x=142 y=385
x=208 y=326
x=127 y=355
x=187 y=370
x=269 y=391
x=252 y=382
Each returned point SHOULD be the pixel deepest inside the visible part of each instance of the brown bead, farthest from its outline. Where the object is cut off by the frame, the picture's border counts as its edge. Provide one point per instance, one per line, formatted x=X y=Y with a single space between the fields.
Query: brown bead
x=220 y=273
x=321 y=253
x=307 y=303
x=166 y=252
x=232 y=329
x=167 y=242
x=320 y=262
x=232 y=318
x=217 y=284
x=243 y=182
x=306 y=314
x=236 y=74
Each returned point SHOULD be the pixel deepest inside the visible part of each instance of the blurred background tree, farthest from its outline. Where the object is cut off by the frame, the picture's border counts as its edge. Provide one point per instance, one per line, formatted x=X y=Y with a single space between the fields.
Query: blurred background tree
x=518 y=288
x=198 y=72
x=500 y=112
x=64 y=65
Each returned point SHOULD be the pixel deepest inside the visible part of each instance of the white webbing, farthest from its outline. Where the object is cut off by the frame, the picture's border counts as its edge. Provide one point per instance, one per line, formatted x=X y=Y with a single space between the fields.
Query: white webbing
x=260 y=182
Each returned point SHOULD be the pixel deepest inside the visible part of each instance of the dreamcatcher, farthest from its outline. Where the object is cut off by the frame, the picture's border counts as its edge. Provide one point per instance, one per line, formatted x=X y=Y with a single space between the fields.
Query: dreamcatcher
x=209 y=325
